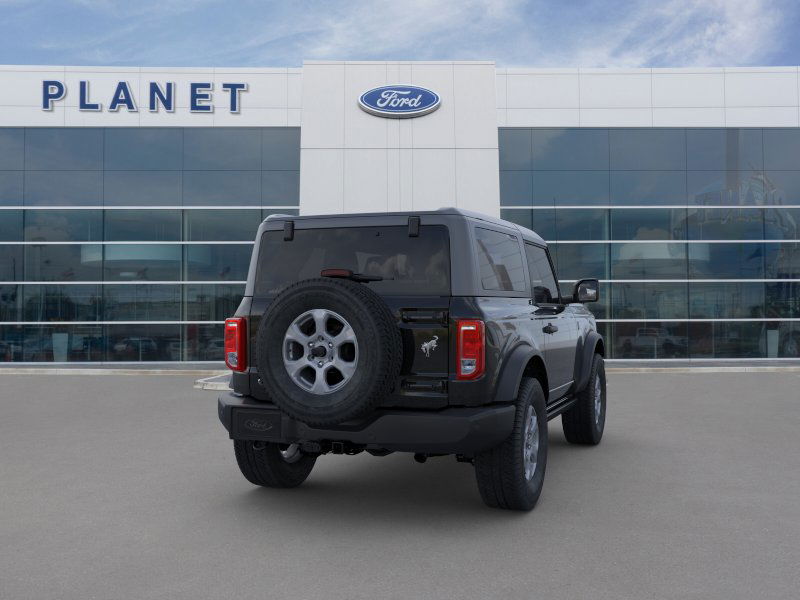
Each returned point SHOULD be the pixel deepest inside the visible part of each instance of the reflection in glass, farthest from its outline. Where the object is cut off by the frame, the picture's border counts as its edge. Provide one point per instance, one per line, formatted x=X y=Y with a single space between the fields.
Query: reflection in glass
x=143 y=188
x=580 y=261
x=222 y=148
x=591 y=224
x=636 y=188
x=280 y=149
x=516 y=188
x=783 y=340
x=514 y=149
x=153 y=262
x=732 y=188
x=724 y=149
x=648 y=261
x=648 y=300
x=63 y=262
x=570 y=149
x=11 y=264
x=11 y=188
x=650 y=339
x=62 y=343
x=143 y=148
x=142 y=225
x=63 y=225
x=222 y=188
x=62 y=303
x=726 y=261
x=63 y=148
x=726 y=223
x=212 y=302
x=221 y=225
x=64 y=188
x=143 y=342
x=280 y=188
x=569 y=188
x=10 y=226
x=540 y=221
x=217 y=263
x=649 y=224
x=727 y=340
x=783 y=299
x=648 y=149
x=12 y=148
x=782 y=260
x=142 y=302
x=204 y=342
x=10 y=304
x=726 y=300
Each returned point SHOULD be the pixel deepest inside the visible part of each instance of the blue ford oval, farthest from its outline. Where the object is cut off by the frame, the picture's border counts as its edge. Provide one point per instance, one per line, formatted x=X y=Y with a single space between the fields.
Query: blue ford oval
x=399 y=101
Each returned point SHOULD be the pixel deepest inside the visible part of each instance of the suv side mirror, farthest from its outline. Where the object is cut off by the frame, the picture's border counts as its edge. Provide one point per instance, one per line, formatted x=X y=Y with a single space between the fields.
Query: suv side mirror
x=586 y=290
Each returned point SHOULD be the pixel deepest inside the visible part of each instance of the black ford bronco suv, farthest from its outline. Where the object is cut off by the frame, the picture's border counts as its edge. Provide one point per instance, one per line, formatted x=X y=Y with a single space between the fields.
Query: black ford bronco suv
x=436 y=333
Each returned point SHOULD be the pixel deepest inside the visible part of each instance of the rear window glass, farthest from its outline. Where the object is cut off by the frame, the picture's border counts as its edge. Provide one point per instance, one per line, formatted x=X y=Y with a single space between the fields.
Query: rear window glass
x=499 y=261
x=409 y=265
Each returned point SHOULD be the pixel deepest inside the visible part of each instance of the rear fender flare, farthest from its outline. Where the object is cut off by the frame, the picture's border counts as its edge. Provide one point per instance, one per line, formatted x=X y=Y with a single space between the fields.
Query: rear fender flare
x=511 y=376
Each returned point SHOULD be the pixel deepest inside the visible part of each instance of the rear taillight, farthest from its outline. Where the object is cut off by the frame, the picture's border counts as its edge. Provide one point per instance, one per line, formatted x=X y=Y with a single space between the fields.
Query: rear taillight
x=471 y=349
x=236 y=344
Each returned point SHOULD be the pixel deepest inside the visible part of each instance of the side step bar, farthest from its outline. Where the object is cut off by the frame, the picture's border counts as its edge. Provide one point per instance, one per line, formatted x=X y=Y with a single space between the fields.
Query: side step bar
x=559 y=406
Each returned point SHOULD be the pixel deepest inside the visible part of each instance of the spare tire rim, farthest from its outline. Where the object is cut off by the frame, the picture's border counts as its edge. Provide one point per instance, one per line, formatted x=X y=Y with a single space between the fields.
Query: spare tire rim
x=530 y=438
x=320 y=351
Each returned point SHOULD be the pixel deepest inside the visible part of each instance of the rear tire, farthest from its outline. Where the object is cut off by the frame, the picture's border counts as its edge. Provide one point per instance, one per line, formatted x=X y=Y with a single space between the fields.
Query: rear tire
x=585 y=421
x=263 y=464
x=501 y=472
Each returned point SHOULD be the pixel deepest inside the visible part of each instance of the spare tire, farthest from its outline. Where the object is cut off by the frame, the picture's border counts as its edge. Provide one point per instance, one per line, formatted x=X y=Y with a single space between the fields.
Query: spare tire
x=328 y=350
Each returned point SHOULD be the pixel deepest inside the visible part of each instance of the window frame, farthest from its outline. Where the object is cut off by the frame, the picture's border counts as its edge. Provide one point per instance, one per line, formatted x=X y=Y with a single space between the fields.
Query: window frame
x=516 y=234
x=552 y=272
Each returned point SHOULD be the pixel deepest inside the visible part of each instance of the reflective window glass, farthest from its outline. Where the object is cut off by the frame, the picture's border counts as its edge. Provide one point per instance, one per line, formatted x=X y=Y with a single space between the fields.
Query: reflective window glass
x=204 y=342
x=726 y=300
x=782 y=148
x=142 y=302
x=783 y=340
x=65 y=188
x=544 y=289
x=63 y=262
x=280 y=147
x=781 y=187
x=571 y=188
x=212 y=302
x=143 y=188
x=63 y=148
x=221 y=188
x=10 y=226
x=12 y=148
x=62 y=343
x=143 y=342
x=221 y=225
x=11 y=265
x=63 y=225
x=724 y=149
x=648 y=187
x=142 y=225
x=783 y=299
x=516 y=188
x=280 y=188
x=638 y=300
x=514 y=149
x=727 y=340
x=648 y=149
x=648 y=224
x=221 y=148
x=10 y=307
x=499 y=261
x=731 y=188
x=11 y=339
x=782 y=260
x=217 y=263
x=11 y=189
x=650 y=339
x=648 y=261
x=143 y=148
x=580 y=261
x=590 y=224
x=726 y=261
x=570 y=149
x=540 y=221
x=62 y=303
x=153 y=262
x=726 y=223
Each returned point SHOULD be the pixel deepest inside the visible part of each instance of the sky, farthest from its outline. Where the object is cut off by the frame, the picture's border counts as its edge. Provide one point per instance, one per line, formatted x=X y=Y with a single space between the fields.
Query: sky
x=580 y=33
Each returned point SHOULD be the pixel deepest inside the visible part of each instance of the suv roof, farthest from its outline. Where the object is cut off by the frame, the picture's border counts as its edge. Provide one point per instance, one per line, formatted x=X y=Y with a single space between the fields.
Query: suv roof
x=447 y=210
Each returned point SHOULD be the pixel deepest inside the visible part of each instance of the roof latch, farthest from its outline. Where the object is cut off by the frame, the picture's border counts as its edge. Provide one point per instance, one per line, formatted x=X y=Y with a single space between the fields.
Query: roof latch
x=413 y=226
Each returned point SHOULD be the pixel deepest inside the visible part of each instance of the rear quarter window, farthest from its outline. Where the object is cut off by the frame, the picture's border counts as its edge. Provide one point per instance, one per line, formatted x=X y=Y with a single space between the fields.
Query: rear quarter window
x=499 y=261
x=410 y=266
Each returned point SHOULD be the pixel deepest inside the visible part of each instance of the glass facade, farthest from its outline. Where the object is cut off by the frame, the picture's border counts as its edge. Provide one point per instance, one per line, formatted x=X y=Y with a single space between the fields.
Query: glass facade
x=694 y=233
x=132 y=244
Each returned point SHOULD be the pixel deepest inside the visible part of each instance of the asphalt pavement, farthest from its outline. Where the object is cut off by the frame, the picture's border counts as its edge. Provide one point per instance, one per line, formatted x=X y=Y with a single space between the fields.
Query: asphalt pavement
x=125 y=486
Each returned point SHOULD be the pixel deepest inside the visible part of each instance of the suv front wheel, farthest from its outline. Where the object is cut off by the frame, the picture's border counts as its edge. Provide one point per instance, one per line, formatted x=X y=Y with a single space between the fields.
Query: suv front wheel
x=511 y=475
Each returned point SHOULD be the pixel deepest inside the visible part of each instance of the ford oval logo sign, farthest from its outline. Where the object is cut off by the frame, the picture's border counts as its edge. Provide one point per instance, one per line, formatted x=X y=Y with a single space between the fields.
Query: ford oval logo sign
x=399 y=101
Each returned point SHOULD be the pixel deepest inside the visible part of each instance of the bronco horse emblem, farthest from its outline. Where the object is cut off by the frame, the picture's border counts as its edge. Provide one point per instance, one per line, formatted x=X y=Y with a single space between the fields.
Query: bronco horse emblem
x=429 y=346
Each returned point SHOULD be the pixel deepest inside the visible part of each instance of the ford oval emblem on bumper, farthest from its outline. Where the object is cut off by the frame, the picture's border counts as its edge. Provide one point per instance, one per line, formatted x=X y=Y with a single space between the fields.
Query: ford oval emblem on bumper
x=399 y=101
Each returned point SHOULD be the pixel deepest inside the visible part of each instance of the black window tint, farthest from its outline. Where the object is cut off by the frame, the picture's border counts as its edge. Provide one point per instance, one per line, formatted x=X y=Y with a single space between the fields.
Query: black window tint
x=63 y=226
x=570 y=149
x=222 y=148
x=544 y=289
x=499 y=261
x=12 y=143
x=11 y=188
x=221 y=225
x=280 y=148
x=142 y=188
x=63 y=149
x=142 y=225
x=143 y=149
x=409 y=265
x=214 y=188
x=65 y=188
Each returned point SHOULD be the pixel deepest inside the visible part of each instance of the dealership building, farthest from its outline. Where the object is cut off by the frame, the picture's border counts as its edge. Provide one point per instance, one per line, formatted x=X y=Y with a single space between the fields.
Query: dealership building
x=130 y=197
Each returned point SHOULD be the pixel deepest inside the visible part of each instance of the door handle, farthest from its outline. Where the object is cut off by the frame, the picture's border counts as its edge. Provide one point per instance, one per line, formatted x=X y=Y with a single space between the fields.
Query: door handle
x=549 y=328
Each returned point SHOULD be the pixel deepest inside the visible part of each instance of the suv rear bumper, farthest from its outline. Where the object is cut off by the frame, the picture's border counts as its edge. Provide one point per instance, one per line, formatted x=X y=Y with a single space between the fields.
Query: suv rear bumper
x=464 y=431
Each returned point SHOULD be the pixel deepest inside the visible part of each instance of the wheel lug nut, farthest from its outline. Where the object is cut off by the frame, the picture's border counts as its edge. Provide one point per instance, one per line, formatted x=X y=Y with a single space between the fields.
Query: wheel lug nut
x=310 y=343
x=319 y=364
x=330 y=345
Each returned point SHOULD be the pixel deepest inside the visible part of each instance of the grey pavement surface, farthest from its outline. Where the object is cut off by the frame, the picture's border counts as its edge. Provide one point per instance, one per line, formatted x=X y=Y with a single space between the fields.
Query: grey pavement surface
x=126 y=487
